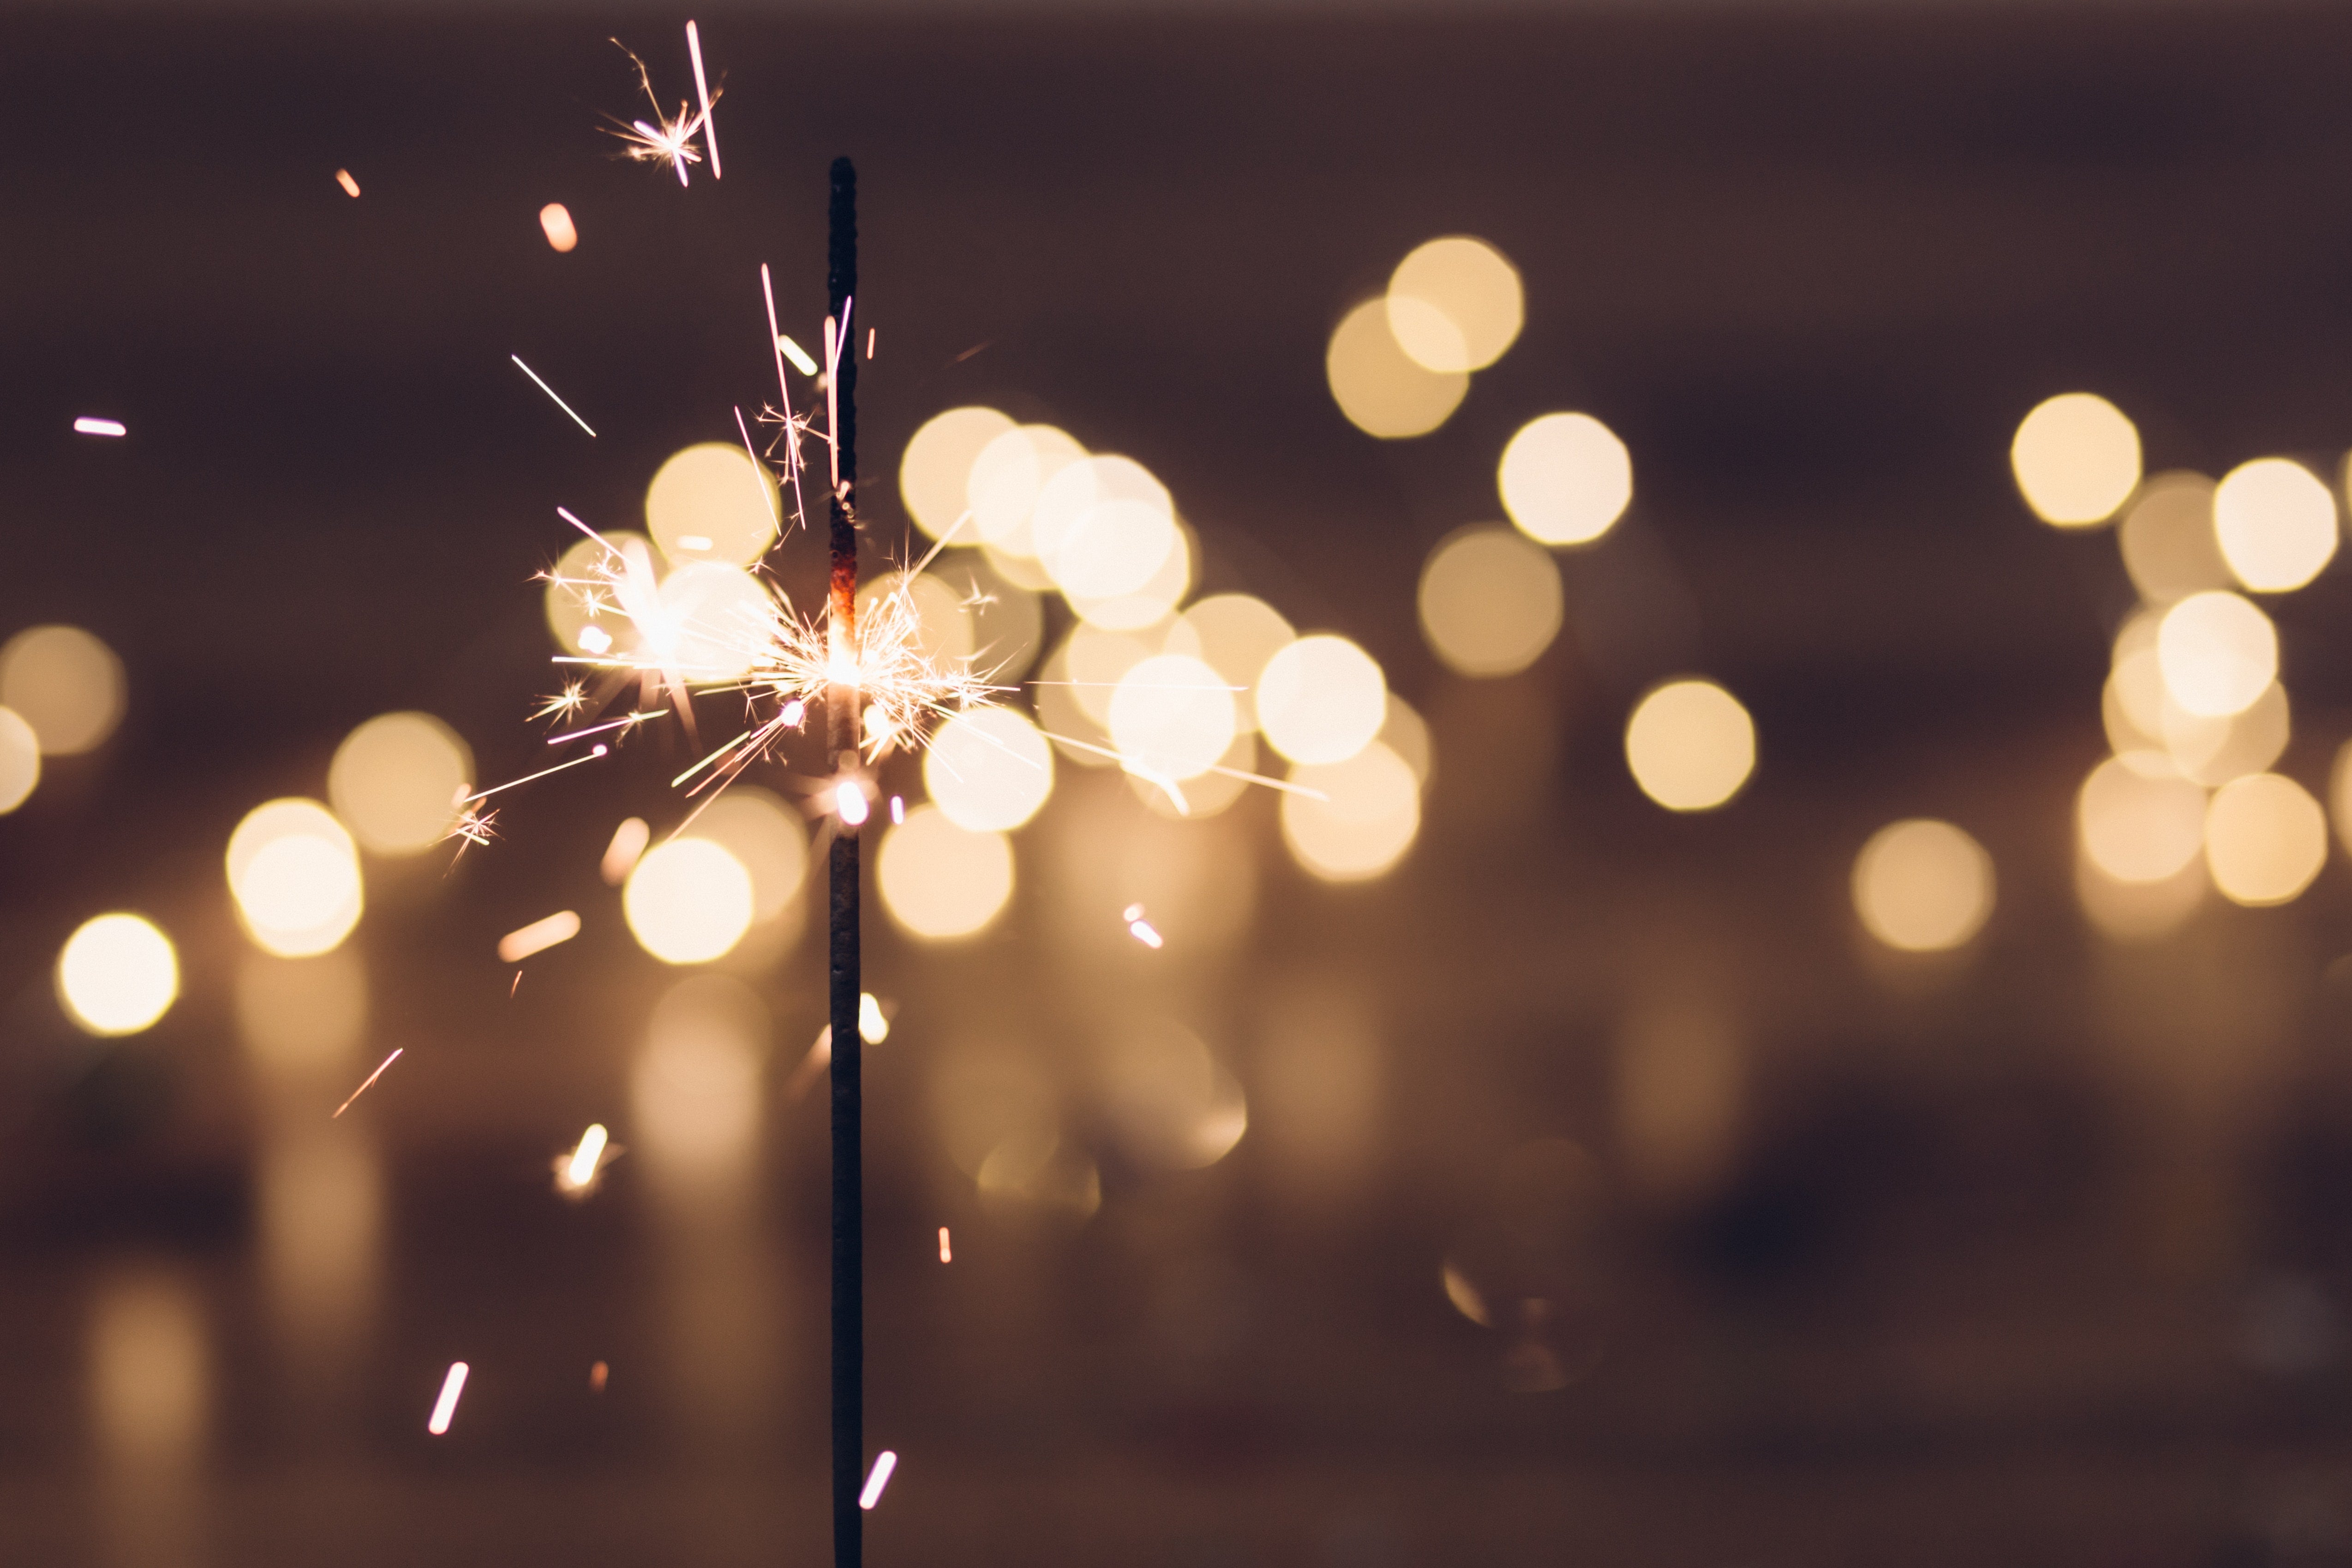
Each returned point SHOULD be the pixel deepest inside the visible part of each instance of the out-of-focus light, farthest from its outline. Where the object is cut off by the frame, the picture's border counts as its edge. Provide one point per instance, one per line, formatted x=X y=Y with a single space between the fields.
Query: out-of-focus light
x=117 y=974
x=555 y=222
x=150 y=1374
x=1234 y=634
x=1064 y=718
x=943 y=631
x=947 y=1248
x=1005 y=622
x=1174 y=1106
x=689 y=901
x=350 y=187
x=2212 y=752
x=91 y=425
x=988 y=770
x=444 y=1408
x=1406 y=734
x=879 y=1476
x=765 y=836
x=1150 y=603
x=1321 y=699
x=295 y=875
x=2135 y=829
x=20 y=760
x=2218 y=654
x=2265 y=840
x=713 y=619
x=940 y=881
x=395 y=780
x=2077 y=459
x=1682 y=1077
x=1098 y=661
x=1140 y=929
x=2140 y=911
x=2275 y=522
x=694 y=1093
x=1566 y=478
x=1102 y=526
x=1007 y=477
x=301 y=1018
x=1173 y=716
x=1368 y=818
x=936 y=468
x=850 y=805
x=579 y=611
x=580 y=1168
x=1922 y=886
x=872 y=1024
x=1204 y=795
x=1691 y=745
x=1377 y=384
x=801 y=359
x=629 y=841
x=710 y=502
x=1454 y=304
x=1490 y=601
x=2167 y=539
x=538 y=936
x=65 y=683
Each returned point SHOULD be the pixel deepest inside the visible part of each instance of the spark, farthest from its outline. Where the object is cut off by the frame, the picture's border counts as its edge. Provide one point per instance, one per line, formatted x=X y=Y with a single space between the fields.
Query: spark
x=703 y=91
x=849 y=803
x=575 y=1172
x=897 y=812
x=767 y=497
x=350 y=187
x=475 y=828
x=873 y=1025
x=550 y=392
x=555 y=222
x=883 y=1463
x=594 y=752
x=538 y=936
x=86 y=425
x=515 y=987
x=797 y=354
x=371 y=1078
x=669 y=141
x=445 y=1406
x=596 y=1376
x=947 y=1253
x=629 y=841
x=595 y=638
x=870 y=342
x=565 y=703
x=625 y=721
x=1140 y=928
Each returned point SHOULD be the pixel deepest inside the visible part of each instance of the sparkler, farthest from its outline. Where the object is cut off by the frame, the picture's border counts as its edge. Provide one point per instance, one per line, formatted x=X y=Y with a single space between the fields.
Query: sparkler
x=669 y=141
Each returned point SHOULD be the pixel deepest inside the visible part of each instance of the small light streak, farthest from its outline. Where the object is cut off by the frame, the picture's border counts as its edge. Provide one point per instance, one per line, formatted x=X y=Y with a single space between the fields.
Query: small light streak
x=86 y=425
x=364 y=1089
x=350 y=187
x=550 y=392
x=555 y=222
x=883 y=1463
x=515 y=987
x=947 y=1253
x=445 y=1406
x=599 y=729
x=1140 y=928
x=693 y=542
x=873 y=1027
x=898 y=811
x=582 y=1164
x=870 y=342
x=849 y=805
x=629 y=841
x=596 y=1376
x=537 y=936
x=702 y=91
x=797 y=354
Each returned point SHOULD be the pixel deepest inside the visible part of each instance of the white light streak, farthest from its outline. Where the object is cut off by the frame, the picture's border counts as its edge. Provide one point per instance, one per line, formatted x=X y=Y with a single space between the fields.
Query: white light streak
x=947 y=1253
x=86 y=425
x=585 y=1158
x=898 y=811
x=703 y=91
x=371 y=1078
x=537 y=936
x=550 y=392
x=1140 y=928
x=797 y=354
x=447 y=1405
x=883 y=1463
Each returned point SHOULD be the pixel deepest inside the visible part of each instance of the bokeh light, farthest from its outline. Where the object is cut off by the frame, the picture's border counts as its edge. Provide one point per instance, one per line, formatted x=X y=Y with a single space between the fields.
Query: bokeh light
x=765 y=836
x=555 y=223
x=694 y=1093
x=1173 y=716
x=1320 y=700
x=2214 y=751
x=1173 y=1107
x=1368 y=818
x=1377 y=384
x=395 y=781
x=1206 y=794
x=713 y=619
x=1455 y=304
x=1691 y=745
x=2135 y=829
x=1490 y=601
x=572 y=612
x=688 y=901
x=2265 y=840
x=1102 y=526
x=1234 y=634
x=2168 y=541
x=1007 y=621
x=1566 y=478
x=20 y=760
x=940 y=881
x=2077 y=459
x=1406 y=732
x=2218 y=654
x=989 y=770
x=936 y=470
x=2275 y=522
x=1922 y=886
x=294 y=873
x=1006 y=478
x=711 y=502
x=117 y=974
x=2141 y=911
x=1149 y=603
x=65 y=683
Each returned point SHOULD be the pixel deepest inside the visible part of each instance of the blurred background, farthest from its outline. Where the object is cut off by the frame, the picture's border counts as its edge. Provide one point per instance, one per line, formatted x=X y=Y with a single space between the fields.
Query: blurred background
x=1804 y=1021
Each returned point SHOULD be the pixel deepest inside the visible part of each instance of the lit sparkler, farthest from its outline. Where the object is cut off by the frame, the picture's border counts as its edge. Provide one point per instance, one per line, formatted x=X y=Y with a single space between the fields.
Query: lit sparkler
x=667 y=141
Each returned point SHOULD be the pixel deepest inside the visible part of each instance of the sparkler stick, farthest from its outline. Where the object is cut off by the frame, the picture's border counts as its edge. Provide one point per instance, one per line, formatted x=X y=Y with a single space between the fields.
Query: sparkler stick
x=841 y=738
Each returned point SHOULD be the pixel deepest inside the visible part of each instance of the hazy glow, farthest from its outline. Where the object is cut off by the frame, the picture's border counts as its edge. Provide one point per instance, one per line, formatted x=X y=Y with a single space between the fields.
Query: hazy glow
x=2167 y=539
x=150 y=1376
x=555 y=222
x=301 y=1018
x=1207 y=794
x=689 y=901
x=295 y=875
x=2275 y=522
x=395 y=780
x=1102 y=526
x=1006 y=479
x=694 y=1094
x=765 y=836
x=582 y=618
x=1234 y=634
x=1566 y=478
x=940 y=881
x=2265 y=840
x=65 y=683
x=1454 y=304
x=938 y=466
x=2077 y=459
x=20 y=760
x=1369 y=820
x=1691 y=745
x=1376 y=384
x=1681 y=1080
x=1406 y=734
x=2135 y=829
x=1098 y=661
x=1922 y=886
x=2214 y=751
x=1173 y=1105
x=1173 y=716
x=1490 y=601
x=989 y=770
x=711 y=502
x=1321 y=699
x=629 y=841
x=117 y=974
x=1059 y=711
x=2218 y=653
x=713 y=619
x=2140 y=911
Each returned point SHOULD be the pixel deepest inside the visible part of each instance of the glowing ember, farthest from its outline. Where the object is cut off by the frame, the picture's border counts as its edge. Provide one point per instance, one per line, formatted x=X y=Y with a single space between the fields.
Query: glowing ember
x=555 y=222
x=883 y=1463
x=89 y=426
x=550 y=391
x=873 y=1027
x=537 y=936
x=445 y=1406
x=371 y=1078
x=350 y=187
x=947 y=1253
x=596 y=1376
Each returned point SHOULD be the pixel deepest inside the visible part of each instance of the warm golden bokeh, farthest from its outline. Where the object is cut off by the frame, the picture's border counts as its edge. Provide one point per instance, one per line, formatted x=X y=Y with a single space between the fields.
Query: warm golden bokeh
x=395 y=781
x=2275 y=522
x=294 y=873
x=20 y=760
x=711 y=502
x=1234 y=634
x=1922 y=886
x=2168 y=541
x=1489 y=601
x=581 y=618
x=936 y=470
x=66 y=684
x=1172 y=716
x=2218 y=654
x=117 y=974
x=940 y=881
x=1367 y=817
x=989 y=770
x=766 y=837
x=1690 y=744
x=1005 y=478
x=2076 y=458
x=1455 y=304
x=2265 y=840
x=2135 y=829
x=1566 y=478
x=689 y=900
x=1377 y=384
x=1320 y=700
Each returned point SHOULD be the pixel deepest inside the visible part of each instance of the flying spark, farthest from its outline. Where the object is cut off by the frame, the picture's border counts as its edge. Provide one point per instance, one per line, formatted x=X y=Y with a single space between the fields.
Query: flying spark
x=947 y=1253
x=667 y=141
x=582 y=1164
x=363 y=1088
x=596 y=1376
x=797 y=354
x=1140 y=928
x=629 y=841
x=89 y=426
x=550 y=392
x=537 y=936
x=883 y=1463
x=898 y=811
x=350 y=187
x=703 y=91
x=445 y=1406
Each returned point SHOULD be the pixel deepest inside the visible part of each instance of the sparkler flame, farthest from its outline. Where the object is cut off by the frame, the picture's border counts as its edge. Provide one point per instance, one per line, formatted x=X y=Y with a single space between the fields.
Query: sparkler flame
x=668 y=141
